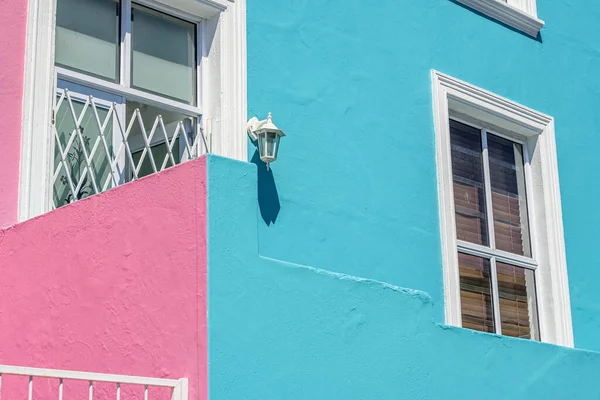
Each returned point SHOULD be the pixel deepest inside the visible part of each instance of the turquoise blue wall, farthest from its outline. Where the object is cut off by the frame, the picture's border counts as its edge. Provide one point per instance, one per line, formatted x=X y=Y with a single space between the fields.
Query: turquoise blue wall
x=355 y=189
x=280 y=330
x=354 y=195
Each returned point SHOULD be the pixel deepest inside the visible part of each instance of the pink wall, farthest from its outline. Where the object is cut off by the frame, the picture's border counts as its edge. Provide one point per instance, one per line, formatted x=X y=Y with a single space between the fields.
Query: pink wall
x=12 y=54
x=115 y=283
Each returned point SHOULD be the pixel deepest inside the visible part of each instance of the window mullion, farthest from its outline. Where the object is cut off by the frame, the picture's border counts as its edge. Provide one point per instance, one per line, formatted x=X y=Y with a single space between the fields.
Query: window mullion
x=495 y=296
x=530 y=201
x=125 y=65
x=502 y=256
x=199 y=58
x=199 y=87
x=490 y=220
x=488 y=189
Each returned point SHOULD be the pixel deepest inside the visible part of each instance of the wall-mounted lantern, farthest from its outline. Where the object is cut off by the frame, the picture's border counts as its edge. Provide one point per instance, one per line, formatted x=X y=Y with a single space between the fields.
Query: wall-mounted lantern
x=267 y=135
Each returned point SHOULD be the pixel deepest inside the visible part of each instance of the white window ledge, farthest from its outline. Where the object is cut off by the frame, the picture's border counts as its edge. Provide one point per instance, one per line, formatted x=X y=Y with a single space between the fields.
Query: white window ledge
x=507 y=14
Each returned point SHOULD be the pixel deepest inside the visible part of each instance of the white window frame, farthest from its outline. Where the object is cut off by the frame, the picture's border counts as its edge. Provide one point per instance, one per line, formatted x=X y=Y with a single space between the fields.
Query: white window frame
x=455 y=99
x=519 y=14
x=222 y=99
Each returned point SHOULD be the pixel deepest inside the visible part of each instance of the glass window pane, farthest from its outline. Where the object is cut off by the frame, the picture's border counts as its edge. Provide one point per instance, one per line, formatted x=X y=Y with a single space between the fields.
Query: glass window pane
x=75 y=157
x=175 y=126
x=163 y=54
x=469 y=193
x=87 y=37
x=159 y=153
x=476 y=293
x=509 y=201
x=518 y=306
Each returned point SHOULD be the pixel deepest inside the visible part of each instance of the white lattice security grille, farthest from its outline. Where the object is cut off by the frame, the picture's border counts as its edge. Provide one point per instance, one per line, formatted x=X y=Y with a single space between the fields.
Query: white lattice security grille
x=99 y=145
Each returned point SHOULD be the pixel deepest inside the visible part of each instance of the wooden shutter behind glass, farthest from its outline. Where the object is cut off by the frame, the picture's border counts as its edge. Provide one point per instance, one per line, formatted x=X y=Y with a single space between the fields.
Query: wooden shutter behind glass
x=518 y=308
x=469 y=193
x=508 y=196
x=476 y=293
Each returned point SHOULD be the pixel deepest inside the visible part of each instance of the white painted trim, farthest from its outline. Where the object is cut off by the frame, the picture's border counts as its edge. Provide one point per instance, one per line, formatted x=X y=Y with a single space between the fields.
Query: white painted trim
x=495 y=297
x=181 y=391
x=487 y=185
x=452 y=304
x=179 y=387
x=481 y=103
x=229 y=140
x=502 y=256
x=451 y=96
x=528 y=6
x=556 y=240
x=222 y=90
x=203 y=9
x=125 y=40
x=129 y=93
x=35 y=183
x=524 y=20
x=86 y=376
x=184 y=13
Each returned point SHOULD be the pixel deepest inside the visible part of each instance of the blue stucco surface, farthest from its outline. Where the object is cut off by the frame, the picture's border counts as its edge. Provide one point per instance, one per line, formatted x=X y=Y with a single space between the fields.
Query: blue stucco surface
x=280 y=330
x=354 y=190
x=306 y=261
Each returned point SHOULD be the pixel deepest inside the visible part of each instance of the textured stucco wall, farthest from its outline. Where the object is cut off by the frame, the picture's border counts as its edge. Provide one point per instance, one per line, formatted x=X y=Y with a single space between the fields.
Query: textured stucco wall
x=354 y=189
x=285 y=331
x=13 y=15
x=115 y=283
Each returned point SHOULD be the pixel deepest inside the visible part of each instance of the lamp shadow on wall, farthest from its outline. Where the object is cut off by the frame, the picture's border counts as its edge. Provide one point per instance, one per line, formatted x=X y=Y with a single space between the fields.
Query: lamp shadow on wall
x=268 y=198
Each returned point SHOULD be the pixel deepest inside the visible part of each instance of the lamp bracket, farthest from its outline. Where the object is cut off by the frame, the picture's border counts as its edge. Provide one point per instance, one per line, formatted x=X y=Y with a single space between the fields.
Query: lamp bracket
x=253 y=126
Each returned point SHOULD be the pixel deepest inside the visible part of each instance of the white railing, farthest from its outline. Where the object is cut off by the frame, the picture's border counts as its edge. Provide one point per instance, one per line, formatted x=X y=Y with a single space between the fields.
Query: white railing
x=179 y=387
x=99 y=145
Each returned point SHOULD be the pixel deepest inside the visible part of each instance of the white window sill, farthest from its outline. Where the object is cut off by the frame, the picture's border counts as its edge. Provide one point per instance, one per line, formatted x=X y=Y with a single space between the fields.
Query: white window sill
x=507 y=14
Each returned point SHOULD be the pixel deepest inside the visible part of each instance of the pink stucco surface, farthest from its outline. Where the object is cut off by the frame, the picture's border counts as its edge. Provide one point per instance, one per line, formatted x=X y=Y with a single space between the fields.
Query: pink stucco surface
x=115 y=283
x=12 y=54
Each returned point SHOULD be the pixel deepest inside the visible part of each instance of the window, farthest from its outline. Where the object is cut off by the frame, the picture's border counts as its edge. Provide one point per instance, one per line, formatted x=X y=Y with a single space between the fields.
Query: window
x=519 y=14
x=149 y=78
x=501 y=224
x=497 y=286
x=118 y=89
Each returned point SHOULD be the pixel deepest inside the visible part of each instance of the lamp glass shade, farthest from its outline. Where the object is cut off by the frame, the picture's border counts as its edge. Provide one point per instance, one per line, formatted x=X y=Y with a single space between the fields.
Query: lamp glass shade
x=268 y=145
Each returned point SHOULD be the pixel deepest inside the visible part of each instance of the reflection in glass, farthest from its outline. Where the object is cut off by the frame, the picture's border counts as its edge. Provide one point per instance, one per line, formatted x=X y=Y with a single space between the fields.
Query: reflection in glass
x=469 y=192
x=75 y=159
x=163 y=54
x=171 y=120
x=476 y=293
x=509 y=203
x=518 y=306
x=159 y=153
x=87 y=37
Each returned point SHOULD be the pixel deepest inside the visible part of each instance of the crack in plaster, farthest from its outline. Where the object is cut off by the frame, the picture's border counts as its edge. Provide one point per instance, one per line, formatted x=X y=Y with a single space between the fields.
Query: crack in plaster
x=424 y=297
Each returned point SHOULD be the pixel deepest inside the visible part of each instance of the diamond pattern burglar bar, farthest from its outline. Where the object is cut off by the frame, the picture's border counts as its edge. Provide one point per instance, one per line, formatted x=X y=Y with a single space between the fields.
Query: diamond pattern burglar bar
x=99 y=145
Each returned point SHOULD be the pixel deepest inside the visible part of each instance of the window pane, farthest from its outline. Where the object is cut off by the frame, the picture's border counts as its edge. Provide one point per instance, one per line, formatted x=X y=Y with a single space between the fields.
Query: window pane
x=87 y=37
x=518 y=306
x=469 y=193
x=476 y=293
x=74 y=163
x=159 y=152
x=509 y=202
x=163 y=54
x=175 y=126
